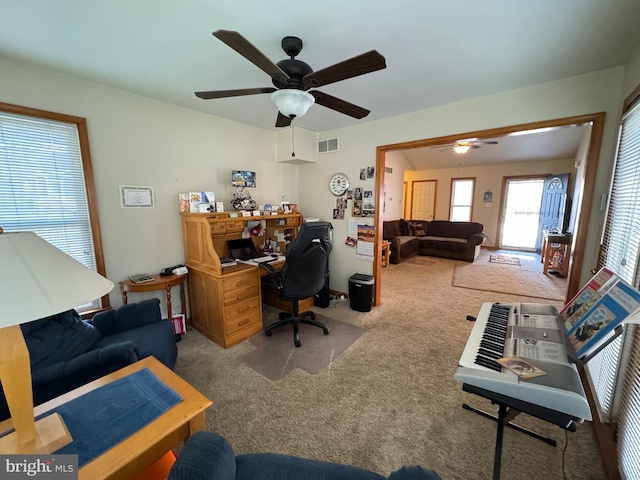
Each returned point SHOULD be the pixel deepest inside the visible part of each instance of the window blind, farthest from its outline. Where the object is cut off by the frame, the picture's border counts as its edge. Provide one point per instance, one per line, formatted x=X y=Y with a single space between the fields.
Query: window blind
x=629 y=419
x=42 y=186
x=620 y=245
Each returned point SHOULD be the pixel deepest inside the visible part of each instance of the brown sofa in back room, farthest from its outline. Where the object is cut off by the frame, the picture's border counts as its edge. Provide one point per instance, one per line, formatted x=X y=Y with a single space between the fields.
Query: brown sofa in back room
x=437 y=238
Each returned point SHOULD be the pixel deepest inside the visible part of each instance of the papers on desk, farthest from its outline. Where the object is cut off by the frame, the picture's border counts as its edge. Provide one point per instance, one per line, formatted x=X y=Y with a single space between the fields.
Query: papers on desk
x=258 y=261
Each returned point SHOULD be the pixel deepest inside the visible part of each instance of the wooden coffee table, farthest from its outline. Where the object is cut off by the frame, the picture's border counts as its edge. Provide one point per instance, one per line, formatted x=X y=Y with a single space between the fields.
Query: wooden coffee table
x=141 y=450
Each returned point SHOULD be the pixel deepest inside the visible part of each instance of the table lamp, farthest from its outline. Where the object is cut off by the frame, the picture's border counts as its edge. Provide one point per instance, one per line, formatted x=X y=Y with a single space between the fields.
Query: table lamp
x=37 y=280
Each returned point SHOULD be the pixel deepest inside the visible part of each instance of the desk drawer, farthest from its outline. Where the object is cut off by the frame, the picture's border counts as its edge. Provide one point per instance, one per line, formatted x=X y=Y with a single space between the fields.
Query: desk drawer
x=242 y=315
x=244 y=280
x=234 y=226
x=240 y=295
x=218 y=228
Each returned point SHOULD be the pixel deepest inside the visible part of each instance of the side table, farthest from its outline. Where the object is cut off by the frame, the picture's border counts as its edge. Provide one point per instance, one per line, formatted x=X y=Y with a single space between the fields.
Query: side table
x=556 y=242
x=386 y=246
x=158 y=283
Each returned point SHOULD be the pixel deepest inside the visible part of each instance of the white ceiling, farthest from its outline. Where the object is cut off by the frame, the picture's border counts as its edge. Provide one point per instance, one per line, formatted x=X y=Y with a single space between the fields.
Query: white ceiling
x=437 y=52
x=534 y=145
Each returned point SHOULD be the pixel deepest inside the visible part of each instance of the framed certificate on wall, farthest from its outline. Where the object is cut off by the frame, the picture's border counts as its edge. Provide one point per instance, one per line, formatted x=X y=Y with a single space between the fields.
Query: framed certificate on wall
x=131 y=197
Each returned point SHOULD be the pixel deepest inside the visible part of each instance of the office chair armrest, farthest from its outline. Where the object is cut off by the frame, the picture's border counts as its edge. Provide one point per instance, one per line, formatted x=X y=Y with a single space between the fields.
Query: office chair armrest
x=273 y=274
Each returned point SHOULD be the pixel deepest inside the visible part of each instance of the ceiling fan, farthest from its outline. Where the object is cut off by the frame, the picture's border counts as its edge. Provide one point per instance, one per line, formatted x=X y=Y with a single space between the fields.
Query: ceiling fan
x=463 y=146
x=292 y=78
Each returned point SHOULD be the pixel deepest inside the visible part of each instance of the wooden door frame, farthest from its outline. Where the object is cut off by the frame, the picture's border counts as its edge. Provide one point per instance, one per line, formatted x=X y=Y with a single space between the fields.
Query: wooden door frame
x=582 y=222
x=435 y=192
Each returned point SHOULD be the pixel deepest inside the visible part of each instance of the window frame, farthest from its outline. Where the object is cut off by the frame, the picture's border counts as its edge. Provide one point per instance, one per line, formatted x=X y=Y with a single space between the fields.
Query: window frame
x=87 y=167
x=473 y=194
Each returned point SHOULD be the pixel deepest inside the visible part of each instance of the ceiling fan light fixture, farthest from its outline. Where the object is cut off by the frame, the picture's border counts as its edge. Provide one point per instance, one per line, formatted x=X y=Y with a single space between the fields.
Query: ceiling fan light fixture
x=461 y=149
x=291 y=102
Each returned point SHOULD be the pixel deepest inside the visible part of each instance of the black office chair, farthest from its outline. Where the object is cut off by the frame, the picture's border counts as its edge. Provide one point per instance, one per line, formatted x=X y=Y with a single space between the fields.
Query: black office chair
x=302 y=276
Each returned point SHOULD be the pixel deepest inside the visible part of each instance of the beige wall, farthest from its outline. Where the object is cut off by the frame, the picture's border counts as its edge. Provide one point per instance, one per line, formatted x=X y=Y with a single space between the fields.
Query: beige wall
x=584 y=94
x=138 y=141
x=487 y=178
x=394 y=185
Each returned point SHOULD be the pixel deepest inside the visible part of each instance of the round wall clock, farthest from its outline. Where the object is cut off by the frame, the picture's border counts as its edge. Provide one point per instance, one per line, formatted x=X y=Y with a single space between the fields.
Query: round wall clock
x=339 y=184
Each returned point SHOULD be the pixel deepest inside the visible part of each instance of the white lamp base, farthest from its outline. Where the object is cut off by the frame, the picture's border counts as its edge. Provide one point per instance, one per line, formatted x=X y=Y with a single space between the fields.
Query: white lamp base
x=51 y=435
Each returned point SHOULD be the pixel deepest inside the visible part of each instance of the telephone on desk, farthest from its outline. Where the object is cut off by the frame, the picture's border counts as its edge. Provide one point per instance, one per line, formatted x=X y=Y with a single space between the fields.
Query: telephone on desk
x=175 y=270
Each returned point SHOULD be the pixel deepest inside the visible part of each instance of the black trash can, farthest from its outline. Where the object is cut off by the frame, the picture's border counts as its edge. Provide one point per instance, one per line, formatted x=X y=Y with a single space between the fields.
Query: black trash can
x=361 y=292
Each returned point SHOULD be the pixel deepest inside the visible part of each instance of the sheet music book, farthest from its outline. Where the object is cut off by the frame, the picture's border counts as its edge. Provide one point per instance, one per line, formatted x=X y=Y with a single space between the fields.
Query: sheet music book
x=609 y=311
x=587 y=297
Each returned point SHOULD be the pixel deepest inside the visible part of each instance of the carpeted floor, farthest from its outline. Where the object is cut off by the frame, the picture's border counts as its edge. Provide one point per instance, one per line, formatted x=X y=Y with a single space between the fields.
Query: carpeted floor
x=390 y=398
x=526 y=280
x=277 y=356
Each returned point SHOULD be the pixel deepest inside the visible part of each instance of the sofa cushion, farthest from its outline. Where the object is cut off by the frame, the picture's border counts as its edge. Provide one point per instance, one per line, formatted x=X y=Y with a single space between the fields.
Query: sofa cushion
x=404 y=227
x=456 y=245
x=59 y=338
x=416 y=229
x=390 y=229
x=443 y=228
x=272 y=466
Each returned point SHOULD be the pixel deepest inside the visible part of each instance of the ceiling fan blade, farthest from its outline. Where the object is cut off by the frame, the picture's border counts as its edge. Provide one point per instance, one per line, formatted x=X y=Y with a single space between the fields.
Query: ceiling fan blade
x=282 y=120
x=233 y=93
x=251 y=53
x=491 y=142
x=338 y=105
x=365 y=63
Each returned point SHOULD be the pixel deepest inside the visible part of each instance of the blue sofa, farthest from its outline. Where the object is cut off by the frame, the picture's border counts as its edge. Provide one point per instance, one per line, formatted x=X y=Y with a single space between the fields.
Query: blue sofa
x=67 y=352
x=208 y=456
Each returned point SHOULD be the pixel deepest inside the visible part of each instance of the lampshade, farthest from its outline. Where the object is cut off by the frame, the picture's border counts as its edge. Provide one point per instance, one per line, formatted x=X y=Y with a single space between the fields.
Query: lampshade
x=291 y=102
x=461 y=148
x=37 y=280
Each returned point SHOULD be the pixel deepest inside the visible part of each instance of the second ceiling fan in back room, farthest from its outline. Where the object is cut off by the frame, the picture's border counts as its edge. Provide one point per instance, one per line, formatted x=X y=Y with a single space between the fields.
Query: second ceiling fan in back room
x=292 y=78
x=463 y=146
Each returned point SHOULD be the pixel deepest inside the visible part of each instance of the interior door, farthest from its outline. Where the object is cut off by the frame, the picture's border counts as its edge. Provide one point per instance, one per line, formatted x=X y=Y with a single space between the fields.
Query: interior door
x=554 y=197
x=423 y=200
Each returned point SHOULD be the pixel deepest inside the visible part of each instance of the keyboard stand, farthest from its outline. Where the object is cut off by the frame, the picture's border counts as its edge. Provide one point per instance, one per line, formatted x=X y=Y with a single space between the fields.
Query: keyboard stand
x=509 y=408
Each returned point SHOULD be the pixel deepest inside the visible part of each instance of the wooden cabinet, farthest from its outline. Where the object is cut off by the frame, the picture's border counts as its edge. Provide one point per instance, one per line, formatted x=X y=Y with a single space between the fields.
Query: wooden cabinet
x=226 y=305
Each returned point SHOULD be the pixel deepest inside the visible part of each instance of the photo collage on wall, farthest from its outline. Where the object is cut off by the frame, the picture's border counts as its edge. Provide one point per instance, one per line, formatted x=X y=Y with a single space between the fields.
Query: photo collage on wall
x=362 y=201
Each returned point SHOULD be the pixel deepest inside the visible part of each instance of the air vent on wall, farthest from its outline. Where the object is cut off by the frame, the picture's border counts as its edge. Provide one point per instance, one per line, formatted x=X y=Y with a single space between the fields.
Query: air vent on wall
x=328 y=145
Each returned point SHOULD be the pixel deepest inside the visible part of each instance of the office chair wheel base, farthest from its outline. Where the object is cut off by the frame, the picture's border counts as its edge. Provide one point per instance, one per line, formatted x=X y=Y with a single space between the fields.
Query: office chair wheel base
x=268 y=333
x=297 y=343
x=313 y=316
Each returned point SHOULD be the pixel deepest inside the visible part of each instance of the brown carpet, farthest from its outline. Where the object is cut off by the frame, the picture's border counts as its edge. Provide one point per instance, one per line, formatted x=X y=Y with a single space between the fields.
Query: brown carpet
x=390 y=399
x=276 y=356
x=494 y=277
x=504 y=260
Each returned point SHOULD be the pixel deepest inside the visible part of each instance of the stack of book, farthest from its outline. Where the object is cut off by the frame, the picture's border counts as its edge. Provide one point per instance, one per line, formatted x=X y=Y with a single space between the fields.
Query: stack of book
x=595 y=312
x=227 y=262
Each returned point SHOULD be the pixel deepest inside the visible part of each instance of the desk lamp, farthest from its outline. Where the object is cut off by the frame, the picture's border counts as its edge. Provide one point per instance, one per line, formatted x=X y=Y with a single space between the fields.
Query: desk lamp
x=37 y=280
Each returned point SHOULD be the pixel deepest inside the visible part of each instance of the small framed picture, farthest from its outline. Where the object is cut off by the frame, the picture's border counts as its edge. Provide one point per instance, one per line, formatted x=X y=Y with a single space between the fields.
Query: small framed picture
x=132 y=197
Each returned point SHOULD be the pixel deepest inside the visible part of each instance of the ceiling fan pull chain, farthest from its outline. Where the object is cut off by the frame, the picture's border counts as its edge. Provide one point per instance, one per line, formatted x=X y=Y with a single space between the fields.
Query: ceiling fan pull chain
x=293 y=146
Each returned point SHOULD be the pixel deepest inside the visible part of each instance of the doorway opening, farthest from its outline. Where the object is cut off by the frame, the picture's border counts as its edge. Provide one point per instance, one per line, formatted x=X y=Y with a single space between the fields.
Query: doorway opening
x=596 y=121
x=521 y=213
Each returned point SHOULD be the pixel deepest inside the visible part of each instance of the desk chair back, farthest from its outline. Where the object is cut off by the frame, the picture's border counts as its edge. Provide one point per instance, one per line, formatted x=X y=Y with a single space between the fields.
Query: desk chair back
x=303 y=275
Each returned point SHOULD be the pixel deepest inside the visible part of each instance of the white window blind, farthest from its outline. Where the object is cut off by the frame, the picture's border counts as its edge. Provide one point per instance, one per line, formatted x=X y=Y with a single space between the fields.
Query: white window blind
x=42 y=186
x=629 y=419
x=620 y=247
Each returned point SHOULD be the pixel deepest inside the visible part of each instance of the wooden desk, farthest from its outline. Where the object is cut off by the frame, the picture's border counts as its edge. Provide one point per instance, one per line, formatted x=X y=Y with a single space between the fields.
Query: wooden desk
x=386 y=247
x=226 y=304
x=552 y=243
x=141 y=450
x=159 y=283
